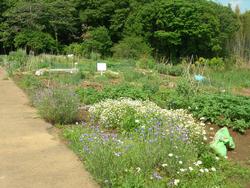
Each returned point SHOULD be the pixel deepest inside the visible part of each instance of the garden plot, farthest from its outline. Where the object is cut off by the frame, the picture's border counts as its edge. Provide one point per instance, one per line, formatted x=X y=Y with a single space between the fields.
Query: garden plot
x=139 y=131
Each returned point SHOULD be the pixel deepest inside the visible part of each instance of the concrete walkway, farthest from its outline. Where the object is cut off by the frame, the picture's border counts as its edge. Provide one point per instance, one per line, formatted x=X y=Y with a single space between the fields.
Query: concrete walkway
x=30 y=156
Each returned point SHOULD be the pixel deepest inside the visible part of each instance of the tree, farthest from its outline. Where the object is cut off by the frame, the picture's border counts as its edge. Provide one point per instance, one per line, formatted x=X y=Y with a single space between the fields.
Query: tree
x=180 y=28
x=60 y=20
x=97 y=40
x=132 y=47
x=54 y=17
x=36 y=41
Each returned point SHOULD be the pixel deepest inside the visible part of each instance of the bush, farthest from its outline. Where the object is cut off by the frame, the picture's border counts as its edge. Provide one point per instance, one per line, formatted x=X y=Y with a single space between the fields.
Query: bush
x=97 y=40
x=133 y=47
x=16 y=60
x=146 y=63
x=36 y=41
x=185 y=88
x=57 y=105
x=74 y=48
x=215 y=62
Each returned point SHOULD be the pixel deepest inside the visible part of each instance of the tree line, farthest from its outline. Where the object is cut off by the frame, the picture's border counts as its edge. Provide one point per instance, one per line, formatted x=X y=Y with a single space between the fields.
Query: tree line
x=124 y=28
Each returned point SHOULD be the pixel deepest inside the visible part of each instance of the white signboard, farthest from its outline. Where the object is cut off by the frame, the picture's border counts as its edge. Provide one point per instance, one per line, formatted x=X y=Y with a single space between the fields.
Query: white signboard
x=101 y=67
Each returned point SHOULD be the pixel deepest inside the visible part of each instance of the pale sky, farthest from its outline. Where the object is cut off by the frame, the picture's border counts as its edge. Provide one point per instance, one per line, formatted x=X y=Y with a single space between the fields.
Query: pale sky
x=244 y=4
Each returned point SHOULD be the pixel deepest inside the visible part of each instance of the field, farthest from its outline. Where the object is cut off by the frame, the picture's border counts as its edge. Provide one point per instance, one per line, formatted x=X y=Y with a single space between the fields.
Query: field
x=142 y=123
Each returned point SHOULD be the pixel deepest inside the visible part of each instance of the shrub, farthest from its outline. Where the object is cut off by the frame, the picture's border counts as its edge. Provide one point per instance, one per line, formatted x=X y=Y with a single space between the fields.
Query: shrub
x=74 y=48
x=37 y=41
x=97 y=40
x=133 y=47
x=146 y=63
x=185 y=88
x=57 y=105
x=16 y=60
x=215 y=62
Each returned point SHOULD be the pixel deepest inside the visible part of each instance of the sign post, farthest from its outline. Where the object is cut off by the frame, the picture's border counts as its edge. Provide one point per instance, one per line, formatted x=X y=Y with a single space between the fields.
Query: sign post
x=101 y=67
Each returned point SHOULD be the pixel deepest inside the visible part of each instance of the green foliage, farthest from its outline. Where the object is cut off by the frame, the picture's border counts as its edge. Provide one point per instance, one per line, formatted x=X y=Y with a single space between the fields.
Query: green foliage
x=30 y=83
x=131 y=76
x=173 y=70
x=118 y=160
x=185 y=88
x=215 y=62
x=146 y=63
x=133 y=47
x=36 y=41
x=97 y=40
x=223 y=109
x=168 y=28
x=74 y=48
x=91 y=95
x=71 y=79
x=56 y=18
x=183 y=28
x=16 y=60
x=229 y=78
x=150 y=87
x=57 y=105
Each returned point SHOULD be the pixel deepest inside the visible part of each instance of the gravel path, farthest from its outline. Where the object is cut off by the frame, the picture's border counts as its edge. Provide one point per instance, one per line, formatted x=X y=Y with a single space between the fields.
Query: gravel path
x=30 y=155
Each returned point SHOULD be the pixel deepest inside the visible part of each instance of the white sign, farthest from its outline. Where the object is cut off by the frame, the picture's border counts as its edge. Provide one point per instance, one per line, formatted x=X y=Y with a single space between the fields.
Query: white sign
x=101 y=67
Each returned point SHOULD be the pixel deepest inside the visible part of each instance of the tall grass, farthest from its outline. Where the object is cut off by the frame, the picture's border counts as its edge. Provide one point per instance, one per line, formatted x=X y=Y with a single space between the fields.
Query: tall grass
x=229 y=79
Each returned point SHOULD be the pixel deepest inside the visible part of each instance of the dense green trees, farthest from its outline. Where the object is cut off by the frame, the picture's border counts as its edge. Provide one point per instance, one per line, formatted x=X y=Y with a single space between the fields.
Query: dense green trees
x=171 y=28
x=245 y=32
x=183 y=28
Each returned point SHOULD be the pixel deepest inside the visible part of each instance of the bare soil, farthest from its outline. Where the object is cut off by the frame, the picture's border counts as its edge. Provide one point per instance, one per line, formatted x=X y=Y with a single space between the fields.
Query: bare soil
x=242 y=91
x=242 y=151
x=31 y=155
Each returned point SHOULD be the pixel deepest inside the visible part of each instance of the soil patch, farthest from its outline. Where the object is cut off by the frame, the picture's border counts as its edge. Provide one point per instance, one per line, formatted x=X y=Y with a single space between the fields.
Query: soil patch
x=242 y=151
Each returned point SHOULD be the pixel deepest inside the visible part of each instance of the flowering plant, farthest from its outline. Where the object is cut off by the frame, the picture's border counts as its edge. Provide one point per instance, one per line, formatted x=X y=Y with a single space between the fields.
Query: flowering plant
x=144 y=114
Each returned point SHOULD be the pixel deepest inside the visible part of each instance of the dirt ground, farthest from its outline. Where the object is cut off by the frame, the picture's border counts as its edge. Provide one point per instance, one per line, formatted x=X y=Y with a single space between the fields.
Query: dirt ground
x=242 y=91
x=31 y=156
x=242 y=141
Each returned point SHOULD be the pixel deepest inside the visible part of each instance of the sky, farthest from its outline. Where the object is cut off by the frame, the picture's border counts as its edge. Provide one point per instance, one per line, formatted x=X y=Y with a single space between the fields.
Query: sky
x=244 y=4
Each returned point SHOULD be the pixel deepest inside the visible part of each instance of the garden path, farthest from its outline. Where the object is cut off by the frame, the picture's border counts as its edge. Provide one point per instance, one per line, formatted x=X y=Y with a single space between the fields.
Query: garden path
x=30 y=155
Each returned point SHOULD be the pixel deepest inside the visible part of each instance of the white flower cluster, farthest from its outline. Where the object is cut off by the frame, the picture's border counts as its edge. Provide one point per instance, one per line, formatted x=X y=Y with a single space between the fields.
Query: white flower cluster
x=110 y=113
